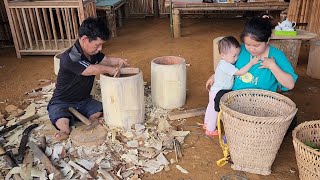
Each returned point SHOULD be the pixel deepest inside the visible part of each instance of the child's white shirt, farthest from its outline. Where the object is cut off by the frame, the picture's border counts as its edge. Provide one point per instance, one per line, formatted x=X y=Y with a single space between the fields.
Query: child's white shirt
x=224 y=76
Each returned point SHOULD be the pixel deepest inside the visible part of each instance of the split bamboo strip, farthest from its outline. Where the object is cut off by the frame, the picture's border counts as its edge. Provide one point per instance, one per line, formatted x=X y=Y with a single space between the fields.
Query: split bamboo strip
x=53 y=29
x=35 y=34
x=74 y=23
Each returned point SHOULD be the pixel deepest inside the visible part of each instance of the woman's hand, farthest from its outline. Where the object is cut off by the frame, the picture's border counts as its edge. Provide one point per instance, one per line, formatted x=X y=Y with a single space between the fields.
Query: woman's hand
x=209 y=82
x=268 y=63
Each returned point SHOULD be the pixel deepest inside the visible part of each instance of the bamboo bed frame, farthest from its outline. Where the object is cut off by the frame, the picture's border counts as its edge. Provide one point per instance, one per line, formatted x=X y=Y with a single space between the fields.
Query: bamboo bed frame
x=46 y=27
x=177 y=8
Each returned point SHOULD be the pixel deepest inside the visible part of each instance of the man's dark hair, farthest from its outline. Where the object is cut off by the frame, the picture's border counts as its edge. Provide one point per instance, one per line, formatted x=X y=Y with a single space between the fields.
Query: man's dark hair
x=94 y=28
x=259 y=28
x=226 y=43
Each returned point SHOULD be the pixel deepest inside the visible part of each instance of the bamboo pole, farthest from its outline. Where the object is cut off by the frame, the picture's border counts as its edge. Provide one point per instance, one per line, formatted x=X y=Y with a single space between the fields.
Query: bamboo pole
x=74 y=21
x=40 y=29
x=47 y=27
x=27 y=27
x=16 y=29
x=68 y=27
x=35 y=34
x=53 y=29
x=60 y=26
x=21 y=29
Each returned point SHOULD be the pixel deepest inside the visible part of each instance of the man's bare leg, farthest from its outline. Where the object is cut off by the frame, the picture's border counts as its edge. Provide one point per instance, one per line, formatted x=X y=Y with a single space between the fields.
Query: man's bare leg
x=63 y=125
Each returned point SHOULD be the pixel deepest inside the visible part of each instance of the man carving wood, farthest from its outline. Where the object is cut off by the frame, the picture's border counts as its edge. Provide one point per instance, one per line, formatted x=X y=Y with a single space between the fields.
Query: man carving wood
x=78 y=67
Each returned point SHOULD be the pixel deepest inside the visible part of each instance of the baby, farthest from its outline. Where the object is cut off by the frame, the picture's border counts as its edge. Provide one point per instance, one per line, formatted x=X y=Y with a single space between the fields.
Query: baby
x=229 y=49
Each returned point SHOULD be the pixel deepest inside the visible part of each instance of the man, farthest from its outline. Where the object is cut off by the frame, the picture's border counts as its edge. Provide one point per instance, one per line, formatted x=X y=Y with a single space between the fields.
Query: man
x=78 y=67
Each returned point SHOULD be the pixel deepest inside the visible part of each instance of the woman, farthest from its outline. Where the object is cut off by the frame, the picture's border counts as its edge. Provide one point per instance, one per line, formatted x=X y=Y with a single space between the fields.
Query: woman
x=274 y=70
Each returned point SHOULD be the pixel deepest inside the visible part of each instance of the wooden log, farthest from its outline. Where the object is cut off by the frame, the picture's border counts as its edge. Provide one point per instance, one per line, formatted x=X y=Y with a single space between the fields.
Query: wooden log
x=123 y=100
x=168 y=82
x=83 y=137
x=313 y=68
x=45 y=160
x=112 y=22
x=187 y=113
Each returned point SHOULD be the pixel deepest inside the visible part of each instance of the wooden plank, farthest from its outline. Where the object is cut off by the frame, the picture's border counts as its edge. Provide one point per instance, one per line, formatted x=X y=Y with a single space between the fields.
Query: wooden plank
x=129 y=70
x=40 y=29
x=34 y=29
x=45 y=160
x=187 y=113
x=53 y=29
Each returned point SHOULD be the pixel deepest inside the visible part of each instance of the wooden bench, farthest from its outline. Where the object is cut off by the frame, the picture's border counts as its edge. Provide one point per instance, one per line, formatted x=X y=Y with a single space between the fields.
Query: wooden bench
x=180 y=6
x=112 y=8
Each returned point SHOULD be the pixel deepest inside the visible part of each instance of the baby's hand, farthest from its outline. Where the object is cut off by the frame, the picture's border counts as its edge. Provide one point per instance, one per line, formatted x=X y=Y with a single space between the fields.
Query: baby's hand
x=267 y=63
x=254 y=60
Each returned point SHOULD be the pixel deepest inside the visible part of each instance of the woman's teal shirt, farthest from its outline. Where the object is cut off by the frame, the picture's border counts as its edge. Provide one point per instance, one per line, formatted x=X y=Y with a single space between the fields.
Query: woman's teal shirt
x=262 y=78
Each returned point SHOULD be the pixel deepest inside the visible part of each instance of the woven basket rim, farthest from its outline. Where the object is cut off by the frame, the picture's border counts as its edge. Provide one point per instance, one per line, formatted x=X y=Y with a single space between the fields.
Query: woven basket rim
x=298 y=141
x=261 y=91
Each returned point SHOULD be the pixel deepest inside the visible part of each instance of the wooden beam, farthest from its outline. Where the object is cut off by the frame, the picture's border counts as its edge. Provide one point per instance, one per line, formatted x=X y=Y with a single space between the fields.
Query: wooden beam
x=187 y=113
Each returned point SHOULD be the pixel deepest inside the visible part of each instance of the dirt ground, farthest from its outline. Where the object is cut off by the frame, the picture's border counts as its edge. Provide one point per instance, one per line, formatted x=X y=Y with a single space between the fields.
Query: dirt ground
x=140 y=41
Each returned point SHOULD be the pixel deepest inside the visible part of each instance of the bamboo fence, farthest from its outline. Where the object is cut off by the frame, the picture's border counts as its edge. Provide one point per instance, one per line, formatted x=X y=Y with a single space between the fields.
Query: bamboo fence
x=5 y=34
x=305 y=11
x=46 y=27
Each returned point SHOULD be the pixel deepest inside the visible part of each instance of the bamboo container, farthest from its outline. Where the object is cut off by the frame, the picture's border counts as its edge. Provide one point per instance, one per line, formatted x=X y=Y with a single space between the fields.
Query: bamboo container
x=122 y=100
x=168 y=82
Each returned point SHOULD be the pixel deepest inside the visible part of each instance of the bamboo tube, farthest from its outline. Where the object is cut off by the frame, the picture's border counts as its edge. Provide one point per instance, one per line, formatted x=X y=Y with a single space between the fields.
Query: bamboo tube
x=53 y=29
x=60 y=27
x=35 y=34
x=21 y=29
x=26 y=24
x=176 y=23
x=123 y=100
x=41 y=29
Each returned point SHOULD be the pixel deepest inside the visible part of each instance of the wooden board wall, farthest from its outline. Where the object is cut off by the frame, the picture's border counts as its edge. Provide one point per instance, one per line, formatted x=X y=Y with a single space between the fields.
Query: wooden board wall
x=305 y=11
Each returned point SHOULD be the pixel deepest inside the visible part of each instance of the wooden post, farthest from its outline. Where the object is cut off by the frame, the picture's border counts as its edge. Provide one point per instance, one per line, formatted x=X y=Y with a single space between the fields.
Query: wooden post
x=176 y=23
x=313 y=69
x=119 y=17
x=14 y=35
x=156 y=8
x=112 y=22
x=123 y=100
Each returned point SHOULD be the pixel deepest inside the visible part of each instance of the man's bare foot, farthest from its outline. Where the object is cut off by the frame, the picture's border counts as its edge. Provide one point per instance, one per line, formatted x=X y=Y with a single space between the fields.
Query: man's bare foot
x=60 y=136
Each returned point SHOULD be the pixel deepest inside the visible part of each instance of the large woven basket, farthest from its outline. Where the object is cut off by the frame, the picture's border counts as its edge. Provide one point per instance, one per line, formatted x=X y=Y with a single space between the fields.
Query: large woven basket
x=308 y=159
x=255 y=122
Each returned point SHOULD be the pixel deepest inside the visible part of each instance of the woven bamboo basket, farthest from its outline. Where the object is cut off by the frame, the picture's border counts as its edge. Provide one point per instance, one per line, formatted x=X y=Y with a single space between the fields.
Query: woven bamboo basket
x=255 y=122
x=307 y=157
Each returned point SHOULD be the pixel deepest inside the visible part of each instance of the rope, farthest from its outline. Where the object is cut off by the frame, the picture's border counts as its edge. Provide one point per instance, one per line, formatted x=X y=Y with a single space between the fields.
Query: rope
x=225 y=149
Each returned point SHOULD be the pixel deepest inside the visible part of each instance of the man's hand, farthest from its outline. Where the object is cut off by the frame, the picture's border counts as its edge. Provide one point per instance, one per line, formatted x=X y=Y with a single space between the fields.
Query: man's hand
x=209 y=82
x=124 y=61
